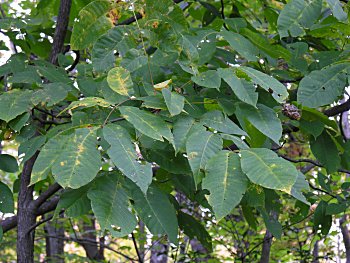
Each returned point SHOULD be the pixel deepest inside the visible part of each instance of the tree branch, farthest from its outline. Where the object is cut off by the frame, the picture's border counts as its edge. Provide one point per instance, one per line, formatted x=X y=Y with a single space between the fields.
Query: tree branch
x=61 y=30
x=338 y=109
x=314 y=162
x=47 y=194
x=11 y=222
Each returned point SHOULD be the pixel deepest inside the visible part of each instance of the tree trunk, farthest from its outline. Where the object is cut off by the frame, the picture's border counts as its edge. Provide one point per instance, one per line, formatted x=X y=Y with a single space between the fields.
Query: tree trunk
x=26 y=211
x=91 y=249
x=265 y=252
x=346 y=237
x=26 y=215
x=54 y=242
x=315 y=254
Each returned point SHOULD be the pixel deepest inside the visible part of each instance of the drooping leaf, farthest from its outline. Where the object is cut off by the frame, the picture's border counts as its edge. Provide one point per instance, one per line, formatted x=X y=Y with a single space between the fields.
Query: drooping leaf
x=51 y=94
x=8 y=163
x=200 y=147
x=321 y=220
x=116 y=39
x=109 y=203
x=48 y=155
x=156 y=211
x=263 y=118
x=298 y=15
x=268 y=83
x=87 y=103
x=119 y=80
x=194 y=229
x=14 y=103
x=265 y=168
x=242 y=90
x=209 y=79
x=325 y=150
x=28 y=148
x=7 y=203
x=123 y=154
x=300 y=185
x=225 y=181
x=242 y=45
x=337 y=10
x=275 y=50
x=74 y=202
x=91 y=24
x=147 y=123
x=175 y=102
x=218 y=121
x=79 y=161
x=322 y=87
x=183 y=128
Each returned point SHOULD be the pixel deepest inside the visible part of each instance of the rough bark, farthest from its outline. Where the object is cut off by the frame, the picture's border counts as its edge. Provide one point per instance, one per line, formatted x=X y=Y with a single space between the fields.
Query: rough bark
x=346 y=237
x=26 y=215
x=94 y=250
x=315 y=254
x=61 y=30
x=265 y=252
x=54 y=246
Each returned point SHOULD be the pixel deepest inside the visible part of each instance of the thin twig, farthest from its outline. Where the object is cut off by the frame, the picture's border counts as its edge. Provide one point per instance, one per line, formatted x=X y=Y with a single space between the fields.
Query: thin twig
x=39 y=223
x=136 y=248
x=223 y=13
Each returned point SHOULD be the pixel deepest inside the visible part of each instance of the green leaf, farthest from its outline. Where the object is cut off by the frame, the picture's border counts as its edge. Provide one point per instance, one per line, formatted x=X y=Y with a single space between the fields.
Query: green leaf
x=194 y=230
x=297 y=15
x=336 y=208
x=218 y=121
x=225 y=181
x=52 y=73
x=174 y=102
x=117 y=38
x=51 y=94
x=275 y=51
x=209 y=79
x=263 y=118
x=268 y=83
x=156 y=211
x=322 y=87
x=91 y=24
x=321 y=219
x=87 y=103
x=242 y=45
x=325 y=150
x=147 y=123
x=109 y=203
x=119 y=80
x=74 y=202
x=265 y=168
x=7 y=203
x=200 y=147
x=272 y=224
x=79 y=161
x=8 y=163
x=13 y=103
x=123 y=154
x=47 y=157
x=183 y=128
x=300 y=185
x=29 y=148
x=242 y=90
x=337 y=10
